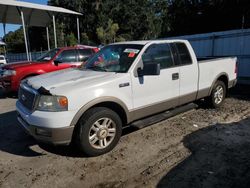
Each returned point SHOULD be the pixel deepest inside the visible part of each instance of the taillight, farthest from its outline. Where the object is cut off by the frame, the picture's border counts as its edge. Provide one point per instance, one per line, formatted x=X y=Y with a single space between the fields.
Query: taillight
x=236 y=68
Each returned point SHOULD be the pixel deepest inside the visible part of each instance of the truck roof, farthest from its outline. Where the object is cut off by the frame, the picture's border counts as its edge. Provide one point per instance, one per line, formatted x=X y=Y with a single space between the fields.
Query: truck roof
x=144 y=42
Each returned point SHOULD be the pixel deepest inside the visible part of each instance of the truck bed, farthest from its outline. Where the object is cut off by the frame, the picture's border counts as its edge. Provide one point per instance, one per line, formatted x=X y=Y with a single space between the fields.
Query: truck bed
x=211 y=68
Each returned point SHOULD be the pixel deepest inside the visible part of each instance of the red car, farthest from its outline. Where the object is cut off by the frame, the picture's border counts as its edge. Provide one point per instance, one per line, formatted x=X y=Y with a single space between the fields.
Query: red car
x=60 y=58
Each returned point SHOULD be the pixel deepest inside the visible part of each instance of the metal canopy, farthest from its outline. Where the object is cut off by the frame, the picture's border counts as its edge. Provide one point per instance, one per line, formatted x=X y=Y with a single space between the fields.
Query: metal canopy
x=31 y=14
x=34 y=14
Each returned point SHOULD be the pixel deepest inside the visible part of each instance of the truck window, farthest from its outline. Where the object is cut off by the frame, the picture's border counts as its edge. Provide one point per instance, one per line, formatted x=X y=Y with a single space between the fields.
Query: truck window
x=84 y=54
x=114 y=58
x=48 y=56
x=159 y=54
x=184 y=54
x=67 y=56
x=1 y=58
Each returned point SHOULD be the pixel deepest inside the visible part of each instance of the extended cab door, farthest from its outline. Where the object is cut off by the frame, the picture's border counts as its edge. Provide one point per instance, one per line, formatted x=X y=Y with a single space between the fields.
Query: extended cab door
x=153 y=94
x=188 y=71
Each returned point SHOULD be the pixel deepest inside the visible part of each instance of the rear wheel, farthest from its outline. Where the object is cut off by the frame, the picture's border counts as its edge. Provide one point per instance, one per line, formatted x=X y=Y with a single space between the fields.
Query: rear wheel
x=98 y=131
x=218 y=94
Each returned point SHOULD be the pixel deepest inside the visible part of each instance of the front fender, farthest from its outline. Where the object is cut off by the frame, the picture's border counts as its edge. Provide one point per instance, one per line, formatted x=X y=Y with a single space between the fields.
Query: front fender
x=96 y=102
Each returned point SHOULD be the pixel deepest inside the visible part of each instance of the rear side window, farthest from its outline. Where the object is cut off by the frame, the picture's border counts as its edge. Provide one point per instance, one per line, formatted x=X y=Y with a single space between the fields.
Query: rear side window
x=158 y=54
x=67 y=56
x=184 y=54
x=84 y=54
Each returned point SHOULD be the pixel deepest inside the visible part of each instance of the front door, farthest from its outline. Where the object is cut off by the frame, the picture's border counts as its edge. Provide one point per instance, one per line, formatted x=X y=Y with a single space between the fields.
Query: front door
x=153 y=94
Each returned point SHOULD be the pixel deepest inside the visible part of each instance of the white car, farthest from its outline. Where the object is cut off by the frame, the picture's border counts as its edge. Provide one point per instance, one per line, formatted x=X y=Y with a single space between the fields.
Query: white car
x=122 y=83
x=2 y=60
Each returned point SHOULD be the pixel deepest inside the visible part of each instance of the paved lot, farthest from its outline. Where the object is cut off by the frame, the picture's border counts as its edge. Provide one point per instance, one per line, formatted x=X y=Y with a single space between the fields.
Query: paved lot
x=200 y=148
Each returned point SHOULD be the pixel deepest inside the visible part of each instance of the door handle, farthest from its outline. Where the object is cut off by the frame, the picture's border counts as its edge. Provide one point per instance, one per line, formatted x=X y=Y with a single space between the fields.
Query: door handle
x=175 y=76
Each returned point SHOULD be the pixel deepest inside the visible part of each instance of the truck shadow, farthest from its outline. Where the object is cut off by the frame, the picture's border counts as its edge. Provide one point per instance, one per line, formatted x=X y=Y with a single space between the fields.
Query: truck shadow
x=241 y=92
x=72 y=151
x=9 y=95
x=13 y=139
x=220 y=158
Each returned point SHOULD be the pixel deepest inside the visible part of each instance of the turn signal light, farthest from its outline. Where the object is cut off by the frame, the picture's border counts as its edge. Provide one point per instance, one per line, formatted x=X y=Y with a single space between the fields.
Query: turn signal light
x=63 y=101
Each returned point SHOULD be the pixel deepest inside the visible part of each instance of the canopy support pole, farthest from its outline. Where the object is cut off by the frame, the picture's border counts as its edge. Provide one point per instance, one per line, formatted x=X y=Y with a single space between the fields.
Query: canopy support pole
x=78 y=30
x=47 y=31
x=4 y=33
x=54 y=25
x=25 y=36
x=4 y=29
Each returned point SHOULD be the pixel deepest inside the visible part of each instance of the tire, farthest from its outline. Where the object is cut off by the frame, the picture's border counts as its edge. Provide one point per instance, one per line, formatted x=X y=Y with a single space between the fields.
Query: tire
x=218 y=95
x=98 y=131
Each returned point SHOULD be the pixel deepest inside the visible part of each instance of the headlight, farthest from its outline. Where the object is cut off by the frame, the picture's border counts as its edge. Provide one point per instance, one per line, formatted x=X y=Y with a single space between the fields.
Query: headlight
x=52 y=103
x=8 y=73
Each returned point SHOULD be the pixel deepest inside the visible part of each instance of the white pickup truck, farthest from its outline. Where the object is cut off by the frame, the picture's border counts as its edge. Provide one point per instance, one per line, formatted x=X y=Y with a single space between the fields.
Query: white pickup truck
x=122 y=83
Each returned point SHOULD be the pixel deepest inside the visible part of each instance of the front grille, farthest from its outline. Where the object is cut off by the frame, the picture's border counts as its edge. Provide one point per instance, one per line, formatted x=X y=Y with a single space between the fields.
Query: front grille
x=27 y=98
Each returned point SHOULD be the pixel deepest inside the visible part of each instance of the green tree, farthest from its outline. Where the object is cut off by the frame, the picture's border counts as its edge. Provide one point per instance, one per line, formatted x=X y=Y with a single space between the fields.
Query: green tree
x=137 y=19
x=71 y=40
x=108 y=34
x=15 y=41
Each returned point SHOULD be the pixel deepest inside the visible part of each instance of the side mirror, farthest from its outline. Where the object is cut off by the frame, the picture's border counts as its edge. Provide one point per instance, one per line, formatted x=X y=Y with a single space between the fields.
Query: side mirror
x=57 y=62
x=149 y=69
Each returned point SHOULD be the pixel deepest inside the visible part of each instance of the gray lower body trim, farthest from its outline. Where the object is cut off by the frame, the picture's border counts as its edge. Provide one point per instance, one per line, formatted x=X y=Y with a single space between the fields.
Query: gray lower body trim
x=203 y=93
x=187 y=98
x=160 y=107
x=152 y=109
x=232 y=83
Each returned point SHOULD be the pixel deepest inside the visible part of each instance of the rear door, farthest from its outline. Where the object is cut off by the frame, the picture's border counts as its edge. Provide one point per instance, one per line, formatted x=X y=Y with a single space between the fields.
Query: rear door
x=152 y=94
x=188 y=73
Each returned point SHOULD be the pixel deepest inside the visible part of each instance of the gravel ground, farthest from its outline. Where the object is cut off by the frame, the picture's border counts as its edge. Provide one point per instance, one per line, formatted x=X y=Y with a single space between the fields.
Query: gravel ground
x=199 y=148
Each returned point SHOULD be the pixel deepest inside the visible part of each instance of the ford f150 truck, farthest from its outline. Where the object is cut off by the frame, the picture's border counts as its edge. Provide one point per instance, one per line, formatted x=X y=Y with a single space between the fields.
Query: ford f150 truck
x=120 y=84
x=56 y=59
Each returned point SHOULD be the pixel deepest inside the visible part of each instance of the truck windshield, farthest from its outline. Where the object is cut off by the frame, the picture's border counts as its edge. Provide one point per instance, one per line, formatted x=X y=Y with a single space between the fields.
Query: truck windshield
x=114 y=58
x=48 y=56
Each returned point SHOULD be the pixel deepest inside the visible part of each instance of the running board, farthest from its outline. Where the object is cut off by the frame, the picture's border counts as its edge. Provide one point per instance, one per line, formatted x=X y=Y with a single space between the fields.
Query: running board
x=139 y=124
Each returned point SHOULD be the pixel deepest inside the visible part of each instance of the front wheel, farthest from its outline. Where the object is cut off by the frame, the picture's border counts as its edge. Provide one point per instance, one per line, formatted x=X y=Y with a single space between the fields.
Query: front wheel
x=98 y=131
x=218 y=94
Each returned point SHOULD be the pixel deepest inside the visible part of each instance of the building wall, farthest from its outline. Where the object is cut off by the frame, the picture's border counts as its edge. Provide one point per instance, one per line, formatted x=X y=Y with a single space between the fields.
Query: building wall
x=226 y=43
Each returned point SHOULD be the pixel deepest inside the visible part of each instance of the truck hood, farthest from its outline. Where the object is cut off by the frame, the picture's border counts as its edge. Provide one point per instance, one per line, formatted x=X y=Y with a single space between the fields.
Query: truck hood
x=64 y=79
x=21 y=64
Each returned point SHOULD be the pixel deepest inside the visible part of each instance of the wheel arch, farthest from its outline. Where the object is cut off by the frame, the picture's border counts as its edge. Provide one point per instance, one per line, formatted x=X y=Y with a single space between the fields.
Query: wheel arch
x=221 y=77
x=112 y=103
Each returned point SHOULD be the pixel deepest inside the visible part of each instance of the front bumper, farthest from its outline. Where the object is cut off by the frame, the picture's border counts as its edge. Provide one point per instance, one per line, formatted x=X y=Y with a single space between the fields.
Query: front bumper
x=47 y=127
